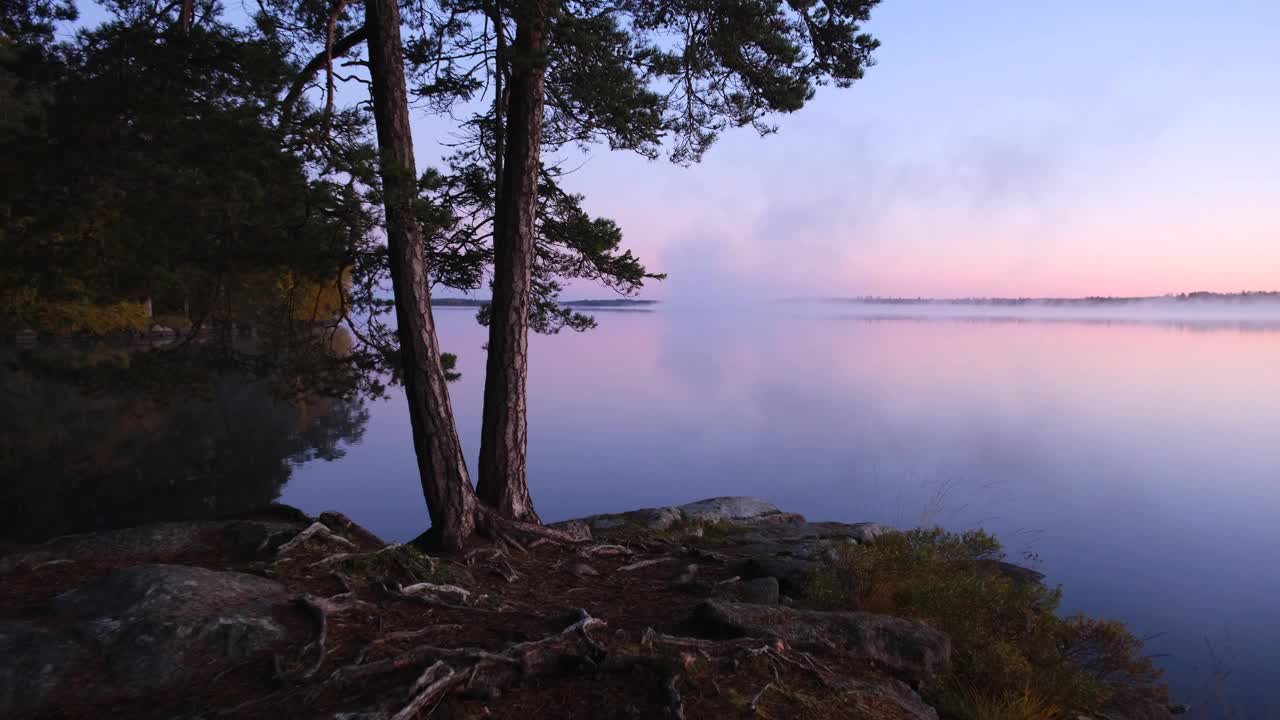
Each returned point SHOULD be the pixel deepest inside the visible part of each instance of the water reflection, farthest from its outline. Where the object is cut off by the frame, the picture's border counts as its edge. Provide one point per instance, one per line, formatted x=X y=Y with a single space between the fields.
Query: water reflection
x=75 y=459
x=1138 y=461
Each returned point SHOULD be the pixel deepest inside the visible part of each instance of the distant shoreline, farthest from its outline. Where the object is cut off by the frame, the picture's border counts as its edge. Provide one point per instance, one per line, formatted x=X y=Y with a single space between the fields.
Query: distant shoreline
x=1251 y=297
x=608 y=303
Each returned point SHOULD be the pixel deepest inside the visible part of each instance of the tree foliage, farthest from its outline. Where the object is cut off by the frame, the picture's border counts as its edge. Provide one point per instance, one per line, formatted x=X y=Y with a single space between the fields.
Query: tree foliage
x=156 y=186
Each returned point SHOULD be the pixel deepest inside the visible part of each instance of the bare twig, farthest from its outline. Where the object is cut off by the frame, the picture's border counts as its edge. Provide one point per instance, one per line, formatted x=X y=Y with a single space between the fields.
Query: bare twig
x=645 y=564
x=755 y=701
x=401 y=635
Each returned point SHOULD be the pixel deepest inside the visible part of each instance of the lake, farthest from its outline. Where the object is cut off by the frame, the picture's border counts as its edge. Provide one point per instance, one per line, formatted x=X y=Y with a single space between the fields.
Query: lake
x=1134 y=460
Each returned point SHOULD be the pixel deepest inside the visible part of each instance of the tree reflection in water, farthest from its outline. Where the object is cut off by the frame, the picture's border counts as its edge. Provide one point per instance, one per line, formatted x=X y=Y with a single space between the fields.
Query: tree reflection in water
x=75 y=458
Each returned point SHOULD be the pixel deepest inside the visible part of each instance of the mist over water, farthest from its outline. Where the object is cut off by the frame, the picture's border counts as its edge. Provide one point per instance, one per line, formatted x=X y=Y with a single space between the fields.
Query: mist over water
x=1210 y=314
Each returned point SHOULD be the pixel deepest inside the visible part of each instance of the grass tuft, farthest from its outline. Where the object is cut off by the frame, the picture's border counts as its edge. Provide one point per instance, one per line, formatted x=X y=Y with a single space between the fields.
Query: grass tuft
x=402 y=562
x=1024 y=705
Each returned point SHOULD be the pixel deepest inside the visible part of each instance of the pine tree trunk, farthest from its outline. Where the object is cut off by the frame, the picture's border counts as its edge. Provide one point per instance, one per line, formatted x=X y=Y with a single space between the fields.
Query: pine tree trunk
x=186 y=16
x=503 y=483
x=441 y=465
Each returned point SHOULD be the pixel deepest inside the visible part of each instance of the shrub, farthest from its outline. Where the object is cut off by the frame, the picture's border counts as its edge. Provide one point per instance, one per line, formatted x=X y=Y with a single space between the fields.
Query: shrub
x=1025 y=705
x=1012 y=652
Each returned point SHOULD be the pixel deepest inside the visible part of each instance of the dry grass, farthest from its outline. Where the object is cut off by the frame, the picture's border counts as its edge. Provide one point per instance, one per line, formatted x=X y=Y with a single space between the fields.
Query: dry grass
x=1013 y=655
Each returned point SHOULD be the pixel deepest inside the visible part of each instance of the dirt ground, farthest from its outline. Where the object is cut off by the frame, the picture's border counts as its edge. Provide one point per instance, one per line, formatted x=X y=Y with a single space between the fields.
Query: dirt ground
x=639 y=656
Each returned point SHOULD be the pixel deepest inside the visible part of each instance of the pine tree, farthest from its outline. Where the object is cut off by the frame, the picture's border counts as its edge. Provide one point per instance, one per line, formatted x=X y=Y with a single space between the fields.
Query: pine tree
x=642 y=76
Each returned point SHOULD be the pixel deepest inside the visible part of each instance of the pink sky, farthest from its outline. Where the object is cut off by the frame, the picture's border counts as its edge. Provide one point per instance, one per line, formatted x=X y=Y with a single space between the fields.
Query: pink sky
x=998 y=149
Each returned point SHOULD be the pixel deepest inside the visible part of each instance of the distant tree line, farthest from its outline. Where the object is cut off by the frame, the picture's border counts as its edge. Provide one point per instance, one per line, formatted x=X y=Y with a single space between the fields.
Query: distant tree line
x=1240 y=297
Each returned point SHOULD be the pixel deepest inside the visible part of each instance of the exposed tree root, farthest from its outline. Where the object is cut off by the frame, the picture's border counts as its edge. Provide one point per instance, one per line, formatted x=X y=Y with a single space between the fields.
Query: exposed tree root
x=486 y=553
x=499 y=563
x=447 y=593
x=502 y=668
x=645 y=564
x=449 y=597
x=605 y=550
x=401 y=636
x=509 y=531
x=434 y=682
x=391 y=588
x=505 y=539
x=755 y=701
x=321 y=615
x=347 y=585
x=321 y=609
x=316 y=532
x=485 y=673
x=505 y=571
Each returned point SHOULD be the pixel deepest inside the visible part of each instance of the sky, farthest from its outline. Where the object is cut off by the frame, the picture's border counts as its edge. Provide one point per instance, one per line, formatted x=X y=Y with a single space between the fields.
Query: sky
x=998 y=148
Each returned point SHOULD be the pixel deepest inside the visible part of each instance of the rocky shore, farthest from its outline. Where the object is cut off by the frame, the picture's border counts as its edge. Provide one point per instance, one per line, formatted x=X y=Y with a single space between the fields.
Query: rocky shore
x=695 y=611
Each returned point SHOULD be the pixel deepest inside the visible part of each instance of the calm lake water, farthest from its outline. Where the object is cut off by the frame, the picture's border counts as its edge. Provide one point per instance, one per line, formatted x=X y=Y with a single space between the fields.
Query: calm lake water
x=1136 y=463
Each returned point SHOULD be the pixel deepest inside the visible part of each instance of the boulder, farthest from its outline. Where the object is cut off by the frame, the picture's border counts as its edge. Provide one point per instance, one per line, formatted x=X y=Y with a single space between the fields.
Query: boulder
x=576 y=529
x=163 y=541
x=150 y=623
x=648 y=518
x=883 y=698
x=252 y=539
x=767 y=560
x=711 y=510
x=761 y=591
x=350 y=529
x=33 y=661
x=157 y=539
x=903 y=647
x=729 y=509
x=866 y=533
